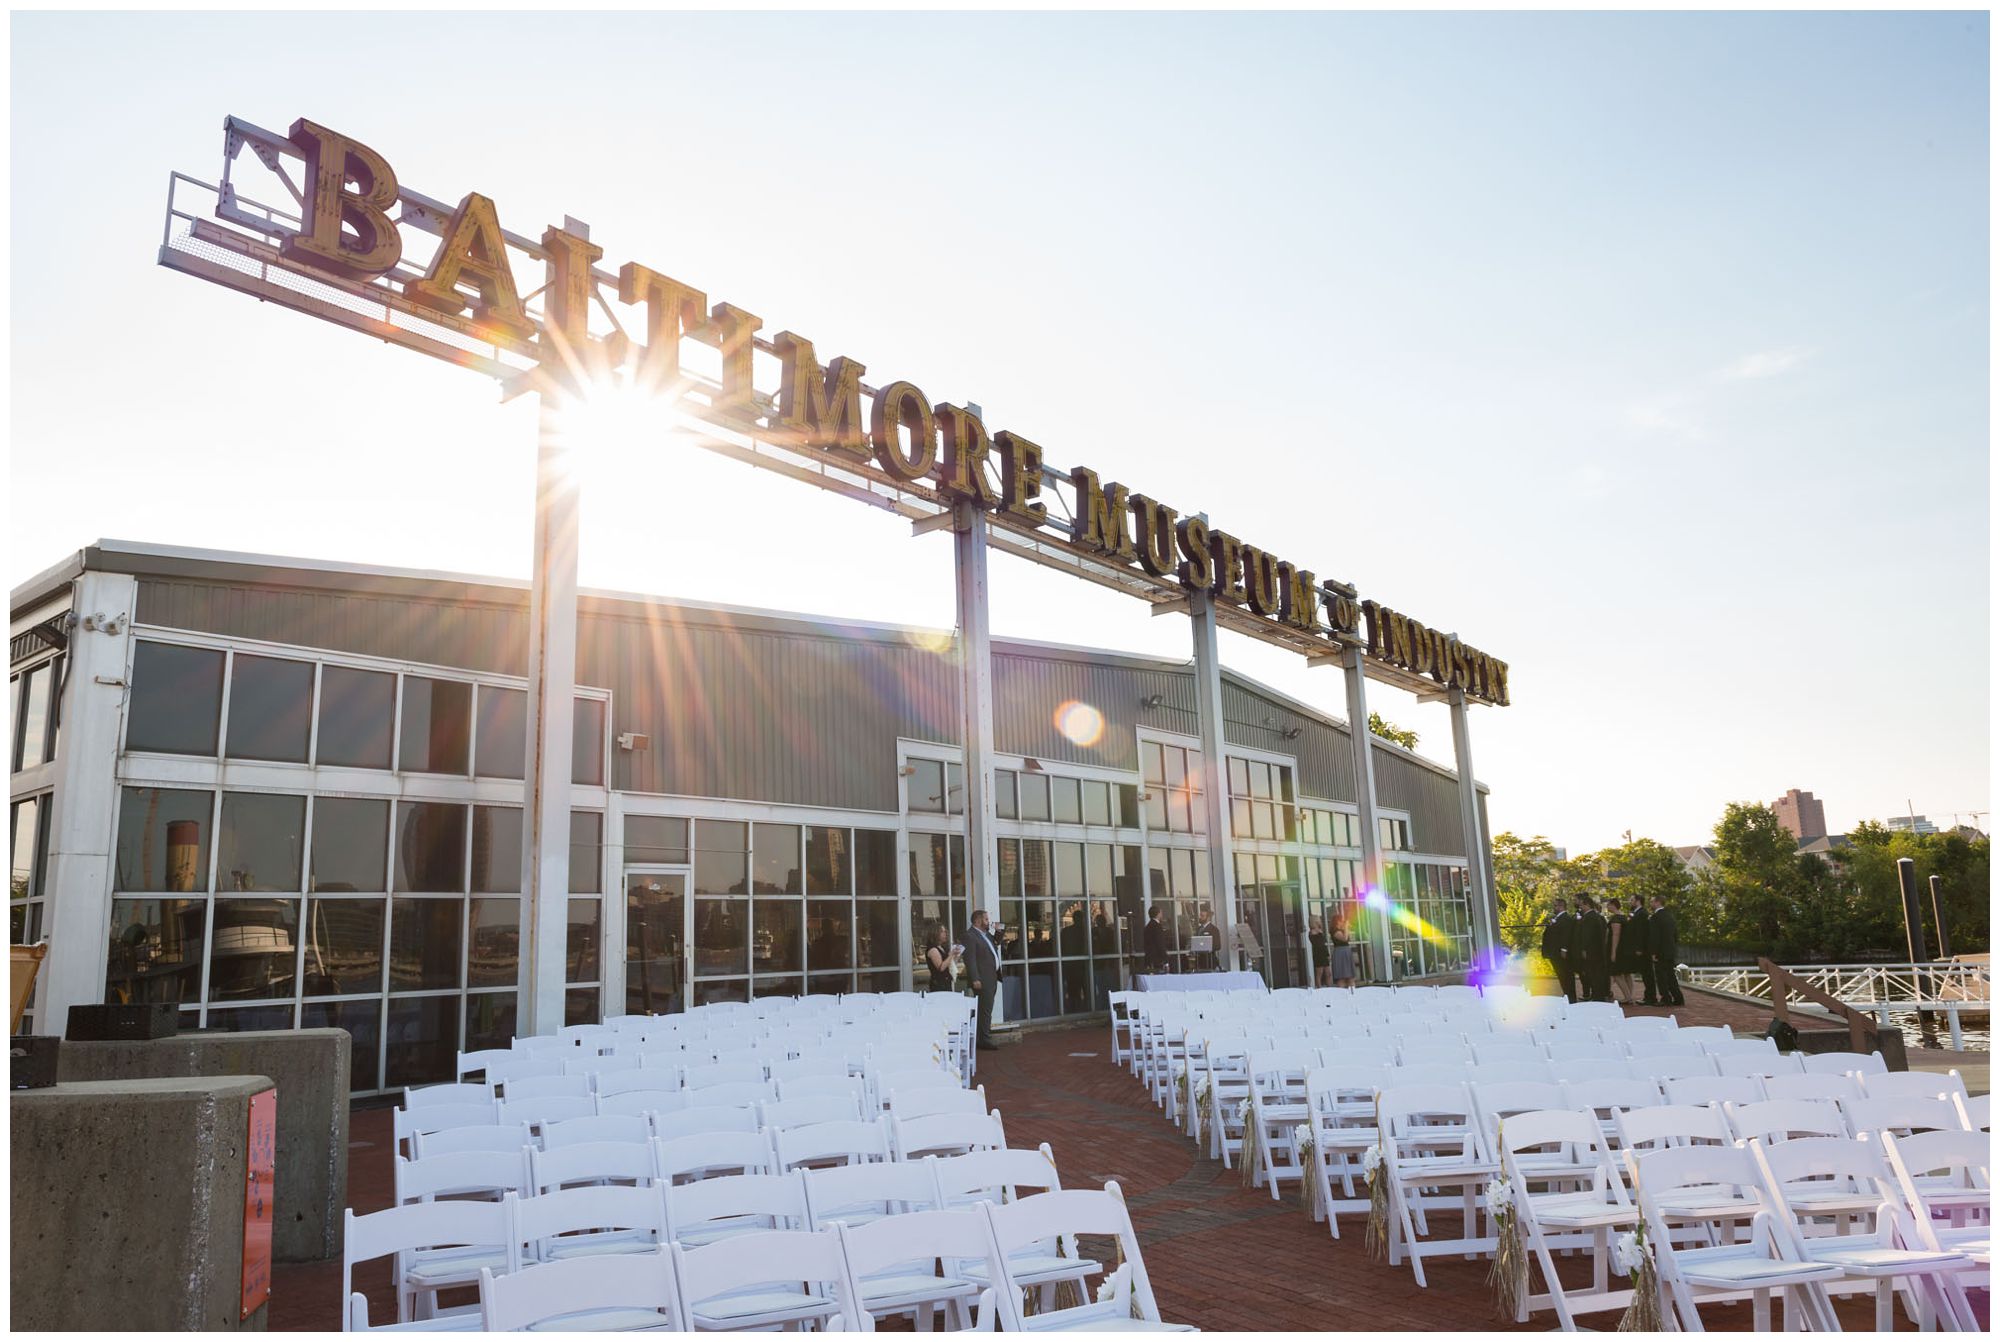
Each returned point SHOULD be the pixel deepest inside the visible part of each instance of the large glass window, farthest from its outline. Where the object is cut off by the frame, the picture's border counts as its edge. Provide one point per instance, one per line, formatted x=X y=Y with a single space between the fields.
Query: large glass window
x=503 y=732
x=587 y=745
x=1173 y=787
x=586 y=852
x=163 y=839
x=344 y=956
x=263 y=842
x=350 y=844
x=253 y=951
x=655 y=839
x=176 y=699
x=357 y=717
x=926 y=787
x=496 y=850
x=270 y=709
x=437 y=726
x=35 y=741
x=430 y=847
x=1260 y=800
x=423 y=944
x=156 y=950
x=496 y=943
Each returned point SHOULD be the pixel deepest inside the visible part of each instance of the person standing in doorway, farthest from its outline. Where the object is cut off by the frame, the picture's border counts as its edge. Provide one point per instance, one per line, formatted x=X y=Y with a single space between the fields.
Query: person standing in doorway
x=1344 y=972
x=1664 y=933
x=1638 y=935
x=942 y=958
x=1154 y=943
x=982 y=962
x=1555 y=947
x=1322 y=967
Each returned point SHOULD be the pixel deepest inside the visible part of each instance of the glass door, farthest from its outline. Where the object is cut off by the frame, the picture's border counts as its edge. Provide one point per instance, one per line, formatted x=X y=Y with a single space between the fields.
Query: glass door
x=657 y=937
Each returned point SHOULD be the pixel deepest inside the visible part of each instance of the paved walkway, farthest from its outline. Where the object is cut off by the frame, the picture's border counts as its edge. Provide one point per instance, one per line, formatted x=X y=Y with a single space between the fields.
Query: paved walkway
x=1221 y=1256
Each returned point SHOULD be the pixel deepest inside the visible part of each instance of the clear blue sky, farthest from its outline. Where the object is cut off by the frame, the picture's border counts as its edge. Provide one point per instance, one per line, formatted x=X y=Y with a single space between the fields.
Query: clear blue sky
x=1650 y=353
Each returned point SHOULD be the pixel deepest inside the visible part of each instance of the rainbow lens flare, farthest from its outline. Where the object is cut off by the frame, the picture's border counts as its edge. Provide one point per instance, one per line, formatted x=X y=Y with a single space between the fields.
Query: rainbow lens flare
x=1079 y=723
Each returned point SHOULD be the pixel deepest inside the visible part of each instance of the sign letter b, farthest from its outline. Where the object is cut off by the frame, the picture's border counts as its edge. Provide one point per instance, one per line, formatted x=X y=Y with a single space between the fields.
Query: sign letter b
x=331 y=161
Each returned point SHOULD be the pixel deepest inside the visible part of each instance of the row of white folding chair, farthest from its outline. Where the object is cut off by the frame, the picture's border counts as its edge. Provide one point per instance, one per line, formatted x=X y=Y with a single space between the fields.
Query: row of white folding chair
x=672 y=1146
x=847 y=1277
x=1786 y=1190
x=730 y=1204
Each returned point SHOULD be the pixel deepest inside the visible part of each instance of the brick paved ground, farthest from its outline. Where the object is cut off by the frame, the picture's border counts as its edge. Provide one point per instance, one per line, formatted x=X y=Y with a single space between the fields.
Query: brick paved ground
x=1220 y=1256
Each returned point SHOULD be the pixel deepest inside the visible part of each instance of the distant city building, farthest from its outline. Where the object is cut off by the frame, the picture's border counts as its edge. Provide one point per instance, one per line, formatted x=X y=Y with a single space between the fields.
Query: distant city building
x=1801 y=813
x=1910 y=824
x=1697 y=858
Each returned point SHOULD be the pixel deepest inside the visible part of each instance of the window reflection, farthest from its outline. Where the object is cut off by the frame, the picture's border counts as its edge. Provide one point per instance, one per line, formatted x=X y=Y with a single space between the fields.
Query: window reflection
x=263 y=842
x=175 y=700
x=357 y=717
x=496 y=943
x=580 y=948
x=253 y=950
x=155 y=950
x=350 y=849
x=430 y=847
x=503 y=732
x=270 y=709
x=343 y=947
x=437 y=726
x=163 y=839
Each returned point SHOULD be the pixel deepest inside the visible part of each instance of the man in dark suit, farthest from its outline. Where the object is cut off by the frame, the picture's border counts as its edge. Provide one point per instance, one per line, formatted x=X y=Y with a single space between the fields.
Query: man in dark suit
x=1590 y=945
x=1639 y=940
x=982 y=966
x=1555 y=947
x=1205 y=927
x=1663 y=933
x=1155 y=941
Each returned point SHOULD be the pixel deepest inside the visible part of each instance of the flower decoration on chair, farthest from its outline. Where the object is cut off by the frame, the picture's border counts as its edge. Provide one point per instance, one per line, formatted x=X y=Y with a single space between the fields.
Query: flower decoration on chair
x=1377 y=1237
x=1246 y=1114
x=1302 y=1143
x=1509 y=1274
x=1632 y=1256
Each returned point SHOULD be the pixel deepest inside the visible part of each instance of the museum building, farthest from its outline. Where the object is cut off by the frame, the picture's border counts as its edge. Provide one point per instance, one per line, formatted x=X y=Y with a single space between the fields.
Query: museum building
x=284 y=793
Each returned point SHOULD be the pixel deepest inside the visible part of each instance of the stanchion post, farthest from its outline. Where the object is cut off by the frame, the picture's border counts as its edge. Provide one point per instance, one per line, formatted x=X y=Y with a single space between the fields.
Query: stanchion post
x=1215 y=775
x=1354 y=668
x=1913 y=930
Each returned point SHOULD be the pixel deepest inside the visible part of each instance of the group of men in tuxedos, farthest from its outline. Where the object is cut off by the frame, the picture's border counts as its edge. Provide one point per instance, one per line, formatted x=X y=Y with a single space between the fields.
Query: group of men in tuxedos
x=1578 y=944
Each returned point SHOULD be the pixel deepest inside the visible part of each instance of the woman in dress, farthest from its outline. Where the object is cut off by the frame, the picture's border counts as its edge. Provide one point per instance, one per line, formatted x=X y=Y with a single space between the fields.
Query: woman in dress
x=1322 y=963
x=1343 y=955
x=942 y=957
x=1621 y=956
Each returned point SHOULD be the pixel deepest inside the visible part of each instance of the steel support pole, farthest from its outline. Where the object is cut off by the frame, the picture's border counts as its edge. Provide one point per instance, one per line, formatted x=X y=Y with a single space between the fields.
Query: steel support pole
x=551 y=729
x=1937 y=919
x=1485 y=909
x=1215 y=776
x=1913 y=929
x=975 y=657
x=1354 y=669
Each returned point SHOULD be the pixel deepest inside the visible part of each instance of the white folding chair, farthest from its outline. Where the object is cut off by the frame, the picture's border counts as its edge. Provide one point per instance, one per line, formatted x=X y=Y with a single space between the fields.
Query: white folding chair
x=905 y=1265
x=591 y=1163
x=1277 y=1108
x=936 y=1100
x=435 y=1246
x=1784 y=1120
x=1900 y=1114
x=482 y=1175
x=463 y=1092
x=1864 y=1063
x=627 y=1292
x=1911 y=1085
x=641 y=1102
x=1018 y=1228
x=701 y=1076
x=1582 y=1201
x=1760 y=1065
x=1946 y=1181
x=1760 y=1262
x=1812 y=1178
x=1673 y=1067
x=767 y=1279
x=562 y=1084
x=1601 y=1015
x=588 y=1222
x=488 y=1137
x=1432 y=1141
x=704 y=1118
x=1834 y=1086
x=407 y=1124
x=644 y=1077
x=476 y=1060
x=732 y=1093
x=730 y=1205
x=855 y=1087
x=1604 y=1097
x=848 y=1142
x=547 y=1109
x=946 y=1134
x=704 y=1155
x=1975 y=1111
x=596 y=1128
x=858 y=1193
x=1712 y=1090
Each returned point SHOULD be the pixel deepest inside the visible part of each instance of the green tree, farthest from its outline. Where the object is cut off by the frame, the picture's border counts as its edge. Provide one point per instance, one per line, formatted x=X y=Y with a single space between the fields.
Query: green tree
x=1963 y=869
x=1389 y=731
x=1644 y=868
x=1758 y=875
x=1528 y=878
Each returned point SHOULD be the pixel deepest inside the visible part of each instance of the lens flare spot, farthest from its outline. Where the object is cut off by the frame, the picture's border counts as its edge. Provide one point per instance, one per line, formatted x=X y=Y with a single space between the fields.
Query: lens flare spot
x=1079 y=723
x=931 y=640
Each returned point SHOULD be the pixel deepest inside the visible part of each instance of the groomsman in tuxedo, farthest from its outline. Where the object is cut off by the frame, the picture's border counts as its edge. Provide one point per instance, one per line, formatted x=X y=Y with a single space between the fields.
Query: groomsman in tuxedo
x=982 y=964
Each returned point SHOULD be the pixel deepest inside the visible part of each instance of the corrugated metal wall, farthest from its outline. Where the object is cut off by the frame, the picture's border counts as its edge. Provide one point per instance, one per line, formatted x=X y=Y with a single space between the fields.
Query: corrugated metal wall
x=765 y=708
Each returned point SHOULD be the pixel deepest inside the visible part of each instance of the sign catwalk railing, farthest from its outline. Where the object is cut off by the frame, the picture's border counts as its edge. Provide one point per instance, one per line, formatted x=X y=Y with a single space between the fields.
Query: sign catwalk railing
x=316 y=221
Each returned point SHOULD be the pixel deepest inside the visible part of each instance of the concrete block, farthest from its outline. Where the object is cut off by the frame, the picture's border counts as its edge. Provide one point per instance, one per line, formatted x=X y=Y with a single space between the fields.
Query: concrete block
x=128 y=1205
x=309 y=1068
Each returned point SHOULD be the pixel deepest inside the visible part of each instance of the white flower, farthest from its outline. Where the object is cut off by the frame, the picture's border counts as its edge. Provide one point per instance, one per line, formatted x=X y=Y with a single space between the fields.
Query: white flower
x=1626 y=1255
x=1302 y=1138
x=1682 y=971
x=1243 y=1112
x=1499 y=1197
x=1371 y=1160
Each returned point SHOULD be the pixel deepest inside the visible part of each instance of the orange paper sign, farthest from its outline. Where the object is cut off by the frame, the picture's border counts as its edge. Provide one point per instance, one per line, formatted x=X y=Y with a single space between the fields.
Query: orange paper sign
x=259 y=1188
